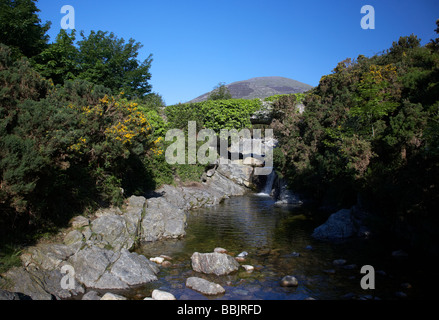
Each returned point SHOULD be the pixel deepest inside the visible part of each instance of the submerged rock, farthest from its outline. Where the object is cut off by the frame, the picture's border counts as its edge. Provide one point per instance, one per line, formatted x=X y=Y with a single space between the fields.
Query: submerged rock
x=204 y=286
x=289 y=281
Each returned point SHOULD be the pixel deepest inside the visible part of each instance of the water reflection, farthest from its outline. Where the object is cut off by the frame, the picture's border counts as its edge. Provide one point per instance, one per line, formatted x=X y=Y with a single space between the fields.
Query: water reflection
x=278 y=242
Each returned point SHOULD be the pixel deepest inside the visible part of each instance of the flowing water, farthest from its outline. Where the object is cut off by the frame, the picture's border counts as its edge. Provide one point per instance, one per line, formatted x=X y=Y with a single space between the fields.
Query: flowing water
x=278 y=243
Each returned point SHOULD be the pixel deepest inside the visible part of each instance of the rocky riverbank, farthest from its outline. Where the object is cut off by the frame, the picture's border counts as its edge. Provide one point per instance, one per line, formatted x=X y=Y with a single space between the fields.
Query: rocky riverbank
x=96 y=252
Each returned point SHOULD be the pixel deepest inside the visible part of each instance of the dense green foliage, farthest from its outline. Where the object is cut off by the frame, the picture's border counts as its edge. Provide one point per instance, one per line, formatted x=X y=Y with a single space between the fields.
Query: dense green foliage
x=299 y=97
x=21 y=28
x=100 y=58
x=64 y=148
x=371 y=129
x=79 y=127
x=213 y=114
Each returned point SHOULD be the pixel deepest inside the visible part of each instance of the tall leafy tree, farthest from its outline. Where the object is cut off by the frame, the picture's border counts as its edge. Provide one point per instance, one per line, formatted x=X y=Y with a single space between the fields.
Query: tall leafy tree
x=109 y=61
x=60 y=61
x=220 y=92
x=21 y=28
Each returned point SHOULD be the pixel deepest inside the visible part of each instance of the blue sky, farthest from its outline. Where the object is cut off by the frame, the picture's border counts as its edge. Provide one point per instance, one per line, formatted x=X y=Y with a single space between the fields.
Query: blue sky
x=197 y=44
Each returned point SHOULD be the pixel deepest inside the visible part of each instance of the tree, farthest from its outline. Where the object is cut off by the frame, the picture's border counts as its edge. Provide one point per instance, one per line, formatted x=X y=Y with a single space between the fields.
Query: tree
x=376 y=97
x=220 y=92
x=21 y=27
x=109 y=61
x=59 y=61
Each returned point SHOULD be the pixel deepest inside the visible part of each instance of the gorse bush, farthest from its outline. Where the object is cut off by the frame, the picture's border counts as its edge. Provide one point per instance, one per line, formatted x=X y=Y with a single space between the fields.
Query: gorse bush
x=371 y=129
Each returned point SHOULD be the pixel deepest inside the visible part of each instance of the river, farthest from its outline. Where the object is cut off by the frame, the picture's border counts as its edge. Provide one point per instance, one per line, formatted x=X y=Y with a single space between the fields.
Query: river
x=278 y=243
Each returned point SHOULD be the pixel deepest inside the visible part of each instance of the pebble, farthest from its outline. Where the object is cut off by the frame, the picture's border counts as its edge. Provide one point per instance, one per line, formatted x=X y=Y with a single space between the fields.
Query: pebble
x=243 y=254
x=158 y=260
x=289 y=281
x=350 y=267
x=240 y=259
x=309 y=247
x=400 y=294
x=329 y=271
x=220 y=250
x=339 y=262
x=162 y=295
x=248 y=268
x=164 y=256
x=381 y=273
x=349 y=296
x=295 y=254
x=399 y=254
x=166 y=264
x=112 y=296
x=406 y=285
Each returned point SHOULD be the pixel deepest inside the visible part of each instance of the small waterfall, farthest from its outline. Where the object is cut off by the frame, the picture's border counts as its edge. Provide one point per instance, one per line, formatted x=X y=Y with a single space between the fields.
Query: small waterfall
x=266 y=191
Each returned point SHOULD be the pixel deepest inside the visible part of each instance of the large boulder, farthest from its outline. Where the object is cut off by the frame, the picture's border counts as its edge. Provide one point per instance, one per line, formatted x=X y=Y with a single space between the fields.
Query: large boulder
x=162 y=220
x=117 y=231
x=214 y=263
x=39 y=284
x=105 y=269
x=237 y=172
x=339 y=225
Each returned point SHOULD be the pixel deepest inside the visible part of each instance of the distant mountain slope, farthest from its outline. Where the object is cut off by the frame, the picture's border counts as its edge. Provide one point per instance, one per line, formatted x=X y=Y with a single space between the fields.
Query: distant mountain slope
x=261 y=87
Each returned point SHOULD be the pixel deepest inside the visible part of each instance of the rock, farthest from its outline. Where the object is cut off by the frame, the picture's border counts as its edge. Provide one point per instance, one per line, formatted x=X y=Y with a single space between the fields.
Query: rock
x=406 y=285
x=73 y=237
x=91 y=295
x=162 y=220
x=220 y=250
x=240 y=259
x=399 y=254
x=350 y=267
x=248 y=268
x=158 y=260
x=112 y=296
x=166 y=264
x=309 y=247
x=400 y=295
x=162 y=295
x=79 y=222
x=210 y=173
x=148 y=298
x=47 y=256
x=214 y=263
x=285 y=196
x=39 y=284
x=339 y=225
x=243 y=254
x=238 y=173
x=7 y=296
x=254 y=162
x=111 y=232
x=204 y=286
x=289 y=281
x=339 y=262
x=104 y=269
x=164 y=256
x=329 y=271
x=349 y=296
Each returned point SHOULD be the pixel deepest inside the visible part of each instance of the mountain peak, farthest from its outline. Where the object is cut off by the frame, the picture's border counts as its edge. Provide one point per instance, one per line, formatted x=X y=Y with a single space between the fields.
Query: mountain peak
x=261 y=87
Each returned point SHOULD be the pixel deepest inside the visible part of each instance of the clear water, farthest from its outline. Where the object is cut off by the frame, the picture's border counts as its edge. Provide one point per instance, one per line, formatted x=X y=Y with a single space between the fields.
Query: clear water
x=272 y=235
